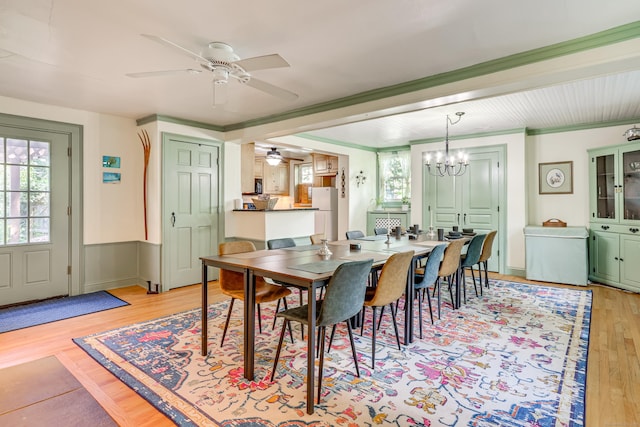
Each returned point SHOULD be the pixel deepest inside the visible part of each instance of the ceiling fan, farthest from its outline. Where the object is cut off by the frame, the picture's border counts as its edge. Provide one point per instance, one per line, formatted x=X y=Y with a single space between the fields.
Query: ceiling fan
x=220 y=59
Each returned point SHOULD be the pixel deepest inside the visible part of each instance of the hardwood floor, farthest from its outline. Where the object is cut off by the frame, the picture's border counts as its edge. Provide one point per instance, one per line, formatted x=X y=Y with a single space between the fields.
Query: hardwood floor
x=613 y=373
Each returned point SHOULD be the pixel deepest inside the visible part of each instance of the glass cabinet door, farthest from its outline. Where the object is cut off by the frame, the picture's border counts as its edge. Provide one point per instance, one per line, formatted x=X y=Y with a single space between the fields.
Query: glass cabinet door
x=631 y=185
x=606 y=186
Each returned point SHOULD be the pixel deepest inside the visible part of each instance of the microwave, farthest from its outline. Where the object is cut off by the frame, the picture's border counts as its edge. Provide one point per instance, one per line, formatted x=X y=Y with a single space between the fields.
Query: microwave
x=258 y=186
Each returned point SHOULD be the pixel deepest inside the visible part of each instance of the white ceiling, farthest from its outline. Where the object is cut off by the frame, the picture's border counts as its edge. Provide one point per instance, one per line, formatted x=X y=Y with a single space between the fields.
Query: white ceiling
x=76 y=53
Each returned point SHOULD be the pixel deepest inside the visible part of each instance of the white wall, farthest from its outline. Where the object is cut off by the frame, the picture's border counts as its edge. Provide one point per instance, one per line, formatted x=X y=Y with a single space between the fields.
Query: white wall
x=560 y=147
x=112 y=212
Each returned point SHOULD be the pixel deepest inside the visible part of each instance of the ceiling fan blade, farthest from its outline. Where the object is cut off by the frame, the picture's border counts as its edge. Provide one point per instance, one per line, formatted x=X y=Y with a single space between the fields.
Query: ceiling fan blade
x=271 y=89
x=164 y=73
x=171 y=44
x=262 y=62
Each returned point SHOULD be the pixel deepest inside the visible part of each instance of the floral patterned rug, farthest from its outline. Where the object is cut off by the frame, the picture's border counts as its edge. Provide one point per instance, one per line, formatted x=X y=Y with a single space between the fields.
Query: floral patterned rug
x=515 y=357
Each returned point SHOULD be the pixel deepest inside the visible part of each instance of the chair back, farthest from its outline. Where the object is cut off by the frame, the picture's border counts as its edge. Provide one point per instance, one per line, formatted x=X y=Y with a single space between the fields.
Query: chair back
x=379 y=231
x=344 y=296
x=354 y=234
x=432 y=266
x=474 y=250
x=487 y=247
x=316 y=239
x=451 y=258
x=393 y=279
x=233 y=280
x=285 y=242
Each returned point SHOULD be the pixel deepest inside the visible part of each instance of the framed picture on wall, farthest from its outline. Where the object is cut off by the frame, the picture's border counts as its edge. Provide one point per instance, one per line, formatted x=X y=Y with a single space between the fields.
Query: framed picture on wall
x=555 y=178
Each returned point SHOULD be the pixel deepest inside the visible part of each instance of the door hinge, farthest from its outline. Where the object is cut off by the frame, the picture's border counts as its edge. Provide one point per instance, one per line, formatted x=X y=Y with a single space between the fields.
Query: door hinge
x=68 y=270
x=498 y=209
x=68 y=210
x=498 y=162
x=68 y=151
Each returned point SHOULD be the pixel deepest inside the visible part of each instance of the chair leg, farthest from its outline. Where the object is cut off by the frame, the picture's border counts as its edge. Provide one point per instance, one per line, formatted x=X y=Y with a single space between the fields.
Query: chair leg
x=353 y=347
x=275 y=317
x=275 y=360
x=373 y=339
x=486 y=274
x=420 y=295
x=429 y=303
x=473 y=277
x=226 y=323
x=450 y=281
x=323 y=335
x=438 y=286
x=464 y=286
x=259 y=319
x=395 y=323
x=333 y=333
x=380 y=318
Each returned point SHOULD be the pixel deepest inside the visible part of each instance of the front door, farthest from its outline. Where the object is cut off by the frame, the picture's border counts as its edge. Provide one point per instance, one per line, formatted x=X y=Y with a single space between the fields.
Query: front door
x=34 y=219
x=191 y=208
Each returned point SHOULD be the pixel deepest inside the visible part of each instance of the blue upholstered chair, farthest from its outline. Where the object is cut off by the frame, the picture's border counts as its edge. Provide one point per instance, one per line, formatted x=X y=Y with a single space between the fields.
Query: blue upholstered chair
x=354 y=234
x=343 y=299
x=487 y=249
x=425 y=278
x=380 y=231
x=471 y=258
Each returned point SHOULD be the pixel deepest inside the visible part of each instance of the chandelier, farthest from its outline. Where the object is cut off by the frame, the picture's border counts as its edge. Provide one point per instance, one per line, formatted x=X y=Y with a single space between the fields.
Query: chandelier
x=449 y=165
x=273 y=157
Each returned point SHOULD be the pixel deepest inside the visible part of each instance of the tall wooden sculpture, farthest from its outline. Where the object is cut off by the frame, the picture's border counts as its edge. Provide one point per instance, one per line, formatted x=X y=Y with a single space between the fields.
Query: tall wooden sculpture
x=146 y=146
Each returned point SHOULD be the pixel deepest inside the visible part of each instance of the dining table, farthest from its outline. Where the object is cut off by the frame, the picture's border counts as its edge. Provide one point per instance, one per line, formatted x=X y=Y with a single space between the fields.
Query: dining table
x=304 y=267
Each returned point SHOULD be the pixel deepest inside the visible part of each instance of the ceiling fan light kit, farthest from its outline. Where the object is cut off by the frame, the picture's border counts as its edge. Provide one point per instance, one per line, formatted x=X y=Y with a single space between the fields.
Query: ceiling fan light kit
x=445 y=164
x=273 y=157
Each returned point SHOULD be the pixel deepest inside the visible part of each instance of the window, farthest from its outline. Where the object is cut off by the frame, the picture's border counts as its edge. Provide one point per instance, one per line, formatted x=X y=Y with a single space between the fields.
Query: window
x=395 y=176
x=306 y=173
x=24 y=191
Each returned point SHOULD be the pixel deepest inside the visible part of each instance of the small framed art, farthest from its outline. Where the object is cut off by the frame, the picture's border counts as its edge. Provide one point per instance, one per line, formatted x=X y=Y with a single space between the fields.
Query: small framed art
x=555 y=178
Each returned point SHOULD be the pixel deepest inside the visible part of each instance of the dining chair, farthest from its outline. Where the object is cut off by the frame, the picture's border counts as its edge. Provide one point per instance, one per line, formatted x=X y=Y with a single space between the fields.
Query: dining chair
x=449 y=267
x=232 y=283
x=281 y=243
x=487 y=249
x=354 y=234
x=469 y=259
x=390 y=287
x=380 y=231
x=426 y=277
x=343 y=299
x=316 y=239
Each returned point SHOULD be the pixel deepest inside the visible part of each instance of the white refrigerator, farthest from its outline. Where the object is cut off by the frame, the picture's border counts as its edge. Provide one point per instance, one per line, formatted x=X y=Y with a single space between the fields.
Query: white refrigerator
x=325 y=199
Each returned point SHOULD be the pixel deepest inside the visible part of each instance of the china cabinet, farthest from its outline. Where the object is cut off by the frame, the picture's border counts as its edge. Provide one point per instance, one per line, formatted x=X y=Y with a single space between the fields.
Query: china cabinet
x=614 y=182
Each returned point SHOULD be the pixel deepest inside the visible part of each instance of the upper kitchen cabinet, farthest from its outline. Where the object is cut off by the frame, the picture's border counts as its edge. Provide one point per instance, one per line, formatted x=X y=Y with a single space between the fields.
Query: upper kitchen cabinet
x=324 y=164
x=276 y=179
x=258 y=167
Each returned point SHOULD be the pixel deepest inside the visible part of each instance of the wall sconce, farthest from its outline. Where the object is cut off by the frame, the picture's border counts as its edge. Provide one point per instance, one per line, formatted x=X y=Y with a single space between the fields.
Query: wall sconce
x=360 y=179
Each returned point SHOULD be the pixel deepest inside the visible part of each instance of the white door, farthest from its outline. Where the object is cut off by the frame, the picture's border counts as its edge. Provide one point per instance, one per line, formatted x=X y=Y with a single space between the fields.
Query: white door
x=191 y=209
x=34 y=220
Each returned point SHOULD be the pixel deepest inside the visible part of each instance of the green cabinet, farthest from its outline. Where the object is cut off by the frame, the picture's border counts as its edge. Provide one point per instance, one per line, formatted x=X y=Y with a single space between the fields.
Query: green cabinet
x=614 y=202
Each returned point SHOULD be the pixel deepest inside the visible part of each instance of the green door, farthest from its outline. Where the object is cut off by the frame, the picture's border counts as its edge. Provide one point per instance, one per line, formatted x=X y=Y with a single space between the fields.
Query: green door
x=190 y=208
x=34 y=219
x=471 y=200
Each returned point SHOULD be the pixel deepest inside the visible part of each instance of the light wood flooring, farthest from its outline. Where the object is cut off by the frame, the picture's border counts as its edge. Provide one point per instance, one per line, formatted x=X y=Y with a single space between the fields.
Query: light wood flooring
x=613 y=374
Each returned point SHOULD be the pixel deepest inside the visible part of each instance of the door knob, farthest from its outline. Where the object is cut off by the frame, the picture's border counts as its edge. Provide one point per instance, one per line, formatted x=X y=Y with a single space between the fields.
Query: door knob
x=173 y=219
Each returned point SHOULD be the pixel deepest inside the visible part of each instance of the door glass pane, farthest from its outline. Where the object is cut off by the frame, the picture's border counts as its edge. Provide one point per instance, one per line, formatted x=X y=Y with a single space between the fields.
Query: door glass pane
x=17 y=153
x=39 y=153
x=17 y=178
x=631 y=185
x=39 y=230
x=17 y=204
x=16 y=231
x=38 y=204
x=39 y=179
x=605 y=177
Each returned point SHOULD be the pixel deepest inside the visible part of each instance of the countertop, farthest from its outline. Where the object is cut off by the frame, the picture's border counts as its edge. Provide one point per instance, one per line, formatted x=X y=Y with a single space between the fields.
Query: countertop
x=276 y=210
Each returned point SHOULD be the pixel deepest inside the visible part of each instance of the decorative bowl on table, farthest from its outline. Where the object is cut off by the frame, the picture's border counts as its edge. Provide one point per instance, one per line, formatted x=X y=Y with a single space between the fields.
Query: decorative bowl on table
x=265 y=204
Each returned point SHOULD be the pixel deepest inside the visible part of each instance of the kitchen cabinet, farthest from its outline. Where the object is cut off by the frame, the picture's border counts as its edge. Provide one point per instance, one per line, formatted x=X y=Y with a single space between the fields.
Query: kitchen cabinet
x=276 y=179
x=324 y=164
x=258 y=168
x=247 y=156
x=614 y=202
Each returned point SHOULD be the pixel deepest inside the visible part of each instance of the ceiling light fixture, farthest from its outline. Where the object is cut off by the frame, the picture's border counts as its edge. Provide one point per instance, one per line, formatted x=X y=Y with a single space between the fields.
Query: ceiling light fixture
x=274 y=157
x=449 y=166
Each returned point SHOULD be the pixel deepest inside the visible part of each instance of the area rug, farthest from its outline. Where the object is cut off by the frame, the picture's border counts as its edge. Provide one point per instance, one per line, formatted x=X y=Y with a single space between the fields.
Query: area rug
x=515 y=357
x=38 y=313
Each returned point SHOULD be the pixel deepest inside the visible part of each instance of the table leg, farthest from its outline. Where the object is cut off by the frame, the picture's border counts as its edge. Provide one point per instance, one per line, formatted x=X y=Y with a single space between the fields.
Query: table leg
x=408 y=305
x=311 y=351
x=249 y=322
x=203 y=328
